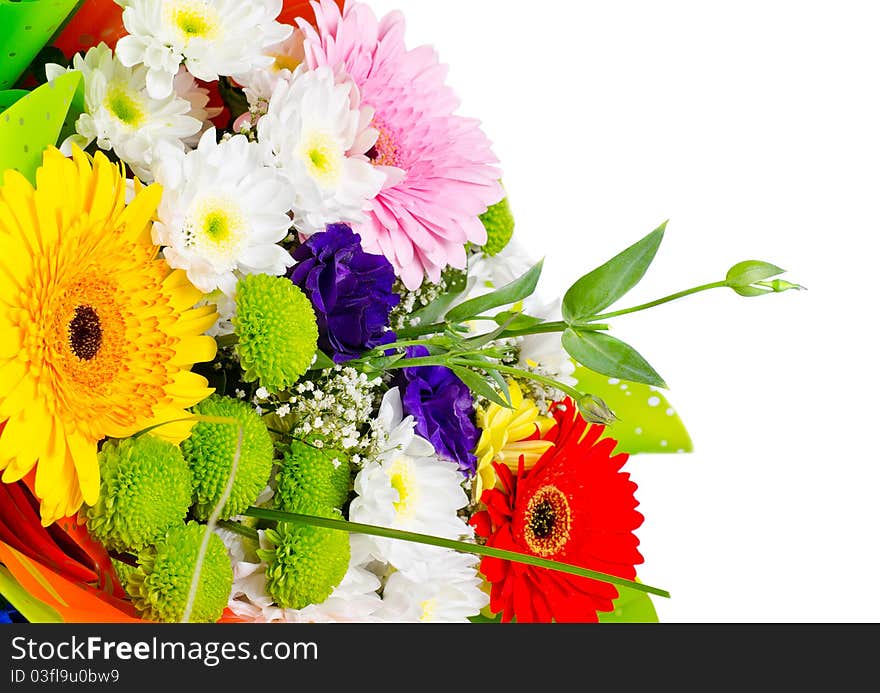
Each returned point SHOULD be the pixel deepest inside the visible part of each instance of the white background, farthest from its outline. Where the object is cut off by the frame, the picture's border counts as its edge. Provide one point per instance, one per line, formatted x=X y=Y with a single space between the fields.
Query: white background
x=753 y=127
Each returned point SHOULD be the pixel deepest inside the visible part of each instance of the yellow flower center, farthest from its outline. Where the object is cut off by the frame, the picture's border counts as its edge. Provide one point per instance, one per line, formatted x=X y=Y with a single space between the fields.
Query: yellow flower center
x=429 y=606
x=284 y=62
x=323 y=157
x=194 y=19
x=216 y=225
x=124 y=106
x=404 y=482
x=547 y=522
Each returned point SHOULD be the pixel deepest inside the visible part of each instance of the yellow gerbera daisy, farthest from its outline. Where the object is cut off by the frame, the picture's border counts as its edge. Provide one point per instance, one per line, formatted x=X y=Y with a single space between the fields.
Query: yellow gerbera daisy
x=504 y=437
x=97 y=334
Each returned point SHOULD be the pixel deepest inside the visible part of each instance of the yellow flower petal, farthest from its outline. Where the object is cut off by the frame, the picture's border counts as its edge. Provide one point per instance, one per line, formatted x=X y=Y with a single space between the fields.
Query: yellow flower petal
x=503 y=437
x=94 y=327
x=138 y=215
x=84 y=453
x=195 y=350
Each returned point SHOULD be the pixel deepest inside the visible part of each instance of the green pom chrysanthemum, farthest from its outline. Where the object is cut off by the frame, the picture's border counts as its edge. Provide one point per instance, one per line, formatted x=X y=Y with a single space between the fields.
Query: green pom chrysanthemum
x=305 y=564
x=499 y=224
x=146 y=489
x=210 y=452
x=309 y=475
x=159 y=587
x=277 y=331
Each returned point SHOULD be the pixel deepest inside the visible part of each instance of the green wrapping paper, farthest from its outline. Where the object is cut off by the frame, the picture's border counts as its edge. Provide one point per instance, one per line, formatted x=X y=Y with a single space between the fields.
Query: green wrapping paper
x=36 y=121
x=648 y=424
x=25 y=27
x=10 y=96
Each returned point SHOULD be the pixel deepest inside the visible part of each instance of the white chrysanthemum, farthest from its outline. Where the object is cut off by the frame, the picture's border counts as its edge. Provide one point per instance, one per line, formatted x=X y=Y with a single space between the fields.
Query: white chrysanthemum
x=186 y=87
x=287 y=56
x=319 y=136
x=222 y=213
x=407 y=487
x=213 y=37
x=226 y=310
x=446 y=589
x=355 y=600
x=121 y=116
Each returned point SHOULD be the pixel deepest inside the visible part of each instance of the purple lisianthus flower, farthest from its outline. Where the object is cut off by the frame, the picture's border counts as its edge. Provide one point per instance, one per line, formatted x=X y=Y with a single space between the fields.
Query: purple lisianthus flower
x=443 y=409
x=350 y=290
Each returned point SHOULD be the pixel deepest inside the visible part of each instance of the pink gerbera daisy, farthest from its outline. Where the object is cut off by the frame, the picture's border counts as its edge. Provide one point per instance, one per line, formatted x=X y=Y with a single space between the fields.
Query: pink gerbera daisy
x=439 y=165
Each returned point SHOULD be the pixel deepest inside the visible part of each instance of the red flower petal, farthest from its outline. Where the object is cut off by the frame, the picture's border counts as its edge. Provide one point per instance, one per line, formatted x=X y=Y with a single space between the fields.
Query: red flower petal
x=575 y=502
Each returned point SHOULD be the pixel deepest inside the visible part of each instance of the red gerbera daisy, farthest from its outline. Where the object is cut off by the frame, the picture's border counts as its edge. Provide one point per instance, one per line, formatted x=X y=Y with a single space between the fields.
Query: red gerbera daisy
x=575 y=506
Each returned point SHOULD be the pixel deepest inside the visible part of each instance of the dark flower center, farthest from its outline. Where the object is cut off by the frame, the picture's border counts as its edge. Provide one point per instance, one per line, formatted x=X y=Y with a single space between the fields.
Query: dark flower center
x=547 y=522
x=542 y=520
x=84 y=333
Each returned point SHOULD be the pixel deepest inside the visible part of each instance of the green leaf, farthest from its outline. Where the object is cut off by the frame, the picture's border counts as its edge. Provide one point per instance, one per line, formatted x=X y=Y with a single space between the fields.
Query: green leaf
x=609 y=356
x=461 y=546
x=647 y=422
x=752 y=271
x=631 y=607
x=482 y=618
x=477 y=343
x=436 y=309
x=35 y=122
x=28 y=606
x=322 y=362
x=25 y=27
x=517 y=321
x=606 y=285
x=480 y=386
x=517 y=290
x=750 y=291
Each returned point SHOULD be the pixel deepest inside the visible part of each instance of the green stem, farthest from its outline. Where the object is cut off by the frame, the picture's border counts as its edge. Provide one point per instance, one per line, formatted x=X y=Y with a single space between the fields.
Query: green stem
x=463 y=547
x=380 y=350
x=661 y=301
x=421 y=330
x=415 y=363
x=527 y=375
x=543 y=328
x=240 y=529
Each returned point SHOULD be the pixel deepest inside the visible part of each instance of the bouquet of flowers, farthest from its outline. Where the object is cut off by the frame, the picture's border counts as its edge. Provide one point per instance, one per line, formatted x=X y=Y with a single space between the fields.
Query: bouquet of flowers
x=269 y=350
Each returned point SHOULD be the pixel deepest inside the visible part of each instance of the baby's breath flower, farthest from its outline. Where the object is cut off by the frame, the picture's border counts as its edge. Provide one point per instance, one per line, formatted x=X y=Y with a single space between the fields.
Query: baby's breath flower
x=335 y=410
